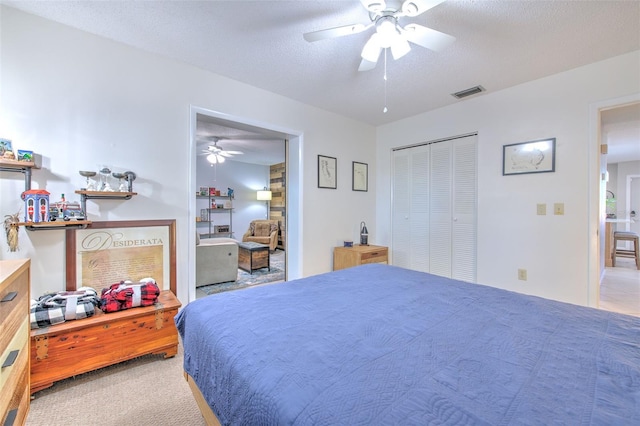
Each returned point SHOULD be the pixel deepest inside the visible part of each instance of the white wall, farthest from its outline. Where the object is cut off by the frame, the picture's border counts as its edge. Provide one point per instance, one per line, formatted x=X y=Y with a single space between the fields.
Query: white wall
x=553 y=249
x=80 y=100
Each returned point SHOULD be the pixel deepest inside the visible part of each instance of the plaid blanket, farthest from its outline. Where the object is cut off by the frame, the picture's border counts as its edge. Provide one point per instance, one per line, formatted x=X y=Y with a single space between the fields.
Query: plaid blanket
x=56 y=308
x=125 y=295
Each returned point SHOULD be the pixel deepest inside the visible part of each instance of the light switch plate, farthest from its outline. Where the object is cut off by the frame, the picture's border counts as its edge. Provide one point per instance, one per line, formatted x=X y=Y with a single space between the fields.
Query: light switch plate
x=541 y=209
x=522 y=274
x=558 y=208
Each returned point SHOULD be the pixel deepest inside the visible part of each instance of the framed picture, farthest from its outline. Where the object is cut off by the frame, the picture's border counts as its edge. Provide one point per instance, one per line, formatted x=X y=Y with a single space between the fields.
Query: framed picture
x=5 y=146
x=360 y=176
x=105 y=253
x=327 y=172
x=529 y=157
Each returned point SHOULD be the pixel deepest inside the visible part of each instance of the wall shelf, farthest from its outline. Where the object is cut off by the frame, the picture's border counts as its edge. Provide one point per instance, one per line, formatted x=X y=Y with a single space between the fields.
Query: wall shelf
x=61 y=224
x=19 y=167
x=102 y=195
x=25 y=168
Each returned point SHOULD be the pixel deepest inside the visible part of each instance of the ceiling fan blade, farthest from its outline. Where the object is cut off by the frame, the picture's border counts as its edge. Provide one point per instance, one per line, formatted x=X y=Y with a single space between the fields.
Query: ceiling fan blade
x=418 y=7
x=335 y=32
x=234 y=152
x=374 y=6
x=426 y=37
x=224 y=154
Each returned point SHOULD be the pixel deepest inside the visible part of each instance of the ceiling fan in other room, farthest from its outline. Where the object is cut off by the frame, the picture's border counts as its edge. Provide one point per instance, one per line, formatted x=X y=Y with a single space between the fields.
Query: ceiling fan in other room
x=216 y=154
x=384 y=16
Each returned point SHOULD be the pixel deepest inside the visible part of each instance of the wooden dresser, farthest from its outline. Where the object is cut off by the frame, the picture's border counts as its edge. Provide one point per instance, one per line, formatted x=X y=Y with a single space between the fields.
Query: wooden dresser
x=347 y=257
x=14 y=341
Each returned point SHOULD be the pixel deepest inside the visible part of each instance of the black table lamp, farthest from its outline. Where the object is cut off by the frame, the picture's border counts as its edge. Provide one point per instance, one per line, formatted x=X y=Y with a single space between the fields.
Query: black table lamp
x=364 y=234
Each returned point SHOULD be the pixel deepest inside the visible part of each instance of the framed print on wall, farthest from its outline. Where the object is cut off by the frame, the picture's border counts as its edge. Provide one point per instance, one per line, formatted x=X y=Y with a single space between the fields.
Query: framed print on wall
x=360 y=176
x=529 y=157
x=327 y=172
x=108 y=252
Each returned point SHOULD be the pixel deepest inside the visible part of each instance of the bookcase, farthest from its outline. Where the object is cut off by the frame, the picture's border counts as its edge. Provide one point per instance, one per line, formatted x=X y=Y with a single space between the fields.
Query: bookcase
x=215 y=217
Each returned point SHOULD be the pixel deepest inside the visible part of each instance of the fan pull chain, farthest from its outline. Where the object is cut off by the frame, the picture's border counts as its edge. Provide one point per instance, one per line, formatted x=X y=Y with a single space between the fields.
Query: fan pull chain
x=384 y=110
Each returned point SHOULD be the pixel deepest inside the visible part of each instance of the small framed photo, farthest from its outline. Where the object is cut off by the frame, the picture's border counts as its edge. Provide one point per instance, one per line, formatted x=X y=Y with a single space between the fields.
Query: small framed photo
x=5 y=146
x=360 y=176
x=327 y=172
x=24 y=155
x=529 y=157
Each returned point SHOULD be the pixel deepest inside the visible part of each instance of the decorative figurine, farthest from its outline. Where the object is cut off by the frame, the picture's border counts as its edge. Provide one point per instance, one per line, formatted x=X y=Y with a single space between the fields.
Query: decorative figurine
x=12 y=230
x=90 y=184
x=122 y=186
x=104 y=182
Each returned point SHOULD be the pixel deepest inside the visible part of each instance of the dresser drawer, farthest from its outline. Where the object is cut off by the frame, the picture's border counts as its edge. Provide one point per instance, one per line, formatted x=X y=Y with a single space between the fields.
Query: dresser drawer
x=13 y=311
x=377 y=256
x=14 y=377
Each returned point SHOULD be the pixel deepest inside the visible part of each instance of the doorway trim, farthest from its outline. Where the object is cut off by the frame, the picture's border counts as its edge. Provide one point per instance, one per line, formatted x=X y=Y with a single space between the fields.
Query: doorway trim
x=595 y=221
x=293 y=148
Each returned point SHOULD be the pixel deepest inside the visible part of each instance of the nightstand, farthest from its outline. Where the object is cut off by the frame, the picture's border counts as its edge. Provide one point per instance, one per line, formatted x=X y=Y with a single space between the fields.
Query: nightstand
x=347 y=257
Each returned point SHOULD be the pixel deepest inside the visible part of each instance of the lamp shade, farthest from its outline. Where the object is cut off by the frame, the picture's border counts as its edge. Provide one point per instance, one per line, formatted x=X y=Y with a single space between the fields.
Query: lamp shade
x=264 y=195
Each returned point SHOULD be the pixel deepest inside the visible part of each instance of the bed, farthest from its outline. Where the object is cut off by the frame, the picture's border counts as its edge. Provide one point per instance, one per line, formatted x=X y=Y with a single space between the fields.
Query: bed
x=378 y=344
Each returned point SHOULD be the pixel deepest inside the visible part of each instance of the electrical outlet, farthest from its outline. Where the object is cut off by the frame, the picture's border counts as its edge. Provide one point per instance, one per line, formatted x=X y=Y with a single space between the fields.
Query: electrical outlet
x=558 y=208
x=522 y=274
x=541 y=209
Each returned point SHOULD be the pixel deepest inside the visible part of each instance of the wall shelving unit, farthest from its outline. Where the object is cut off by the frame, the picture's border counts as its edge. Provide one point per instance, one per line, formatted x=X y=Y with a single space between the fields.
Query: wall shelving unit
x=25 y=167
x=209 y=220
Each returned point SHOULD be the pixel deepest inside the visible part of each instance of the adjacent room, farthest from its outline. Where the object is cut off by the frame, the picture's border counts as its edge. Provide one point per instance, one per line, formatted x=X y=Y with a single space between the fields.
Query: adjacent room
x=397 y=212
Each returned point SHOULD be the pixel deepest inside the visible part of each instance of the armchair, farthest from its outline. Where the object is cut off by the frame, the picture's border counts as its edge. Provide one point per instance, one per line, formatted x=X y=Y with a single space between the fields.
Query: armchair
x=264 y=231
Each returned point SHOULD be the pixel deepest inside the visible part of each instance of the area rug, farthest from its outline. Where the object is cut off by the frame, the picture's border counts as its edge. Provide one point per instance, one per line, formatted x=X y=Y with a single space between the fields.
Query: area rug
x=245 y=279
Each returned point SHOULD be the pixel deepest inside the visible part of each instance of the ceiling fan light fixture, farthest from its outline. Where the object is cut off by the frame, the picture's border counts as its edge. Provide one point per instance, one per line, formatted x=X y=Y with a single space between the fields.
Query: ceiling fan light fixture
x=399 y=48
x=372 y=48
x=215 y=158
x=386 y=28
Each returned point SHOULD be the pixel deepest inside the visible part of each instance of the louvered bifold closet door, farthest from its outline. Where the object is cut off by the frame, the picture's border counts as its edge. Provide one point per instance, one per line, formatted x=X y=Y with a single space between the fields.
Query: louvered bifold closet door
x=435 y=208
x=410 y=214
x=440 y=209
x=464 y=206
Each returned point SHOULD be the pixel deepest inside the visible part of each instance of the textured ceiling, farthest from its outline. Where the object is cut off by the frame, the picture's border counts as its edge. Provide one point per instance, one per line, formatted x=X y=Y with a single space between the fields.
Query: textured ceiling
x=498 y=44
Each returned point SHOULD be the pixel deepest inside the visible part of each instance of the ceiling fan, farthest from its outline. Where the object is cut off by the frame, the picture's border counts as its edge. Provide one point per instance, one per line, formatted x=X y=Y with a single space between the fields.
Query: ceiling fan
x=216 y=154
x=384 y=16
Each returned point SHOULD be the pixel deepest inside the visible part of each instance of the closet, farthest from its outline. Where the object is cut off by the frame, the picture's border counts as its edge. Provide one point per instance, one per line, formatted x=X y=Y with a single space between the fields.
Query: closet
x=435 y=207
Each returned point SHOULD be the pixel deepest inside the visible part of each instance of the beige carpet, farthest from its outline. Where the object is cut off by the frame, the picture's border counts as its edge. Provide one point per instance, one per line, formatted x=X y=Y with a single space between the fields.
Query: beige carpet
x=149 y=390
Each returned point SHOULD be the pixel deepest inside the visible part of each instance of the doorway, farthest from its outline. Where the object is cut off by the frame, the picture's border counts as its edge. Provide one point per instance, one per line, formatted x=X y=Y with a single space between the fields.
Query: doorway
x=292 y=140
x=618 y=132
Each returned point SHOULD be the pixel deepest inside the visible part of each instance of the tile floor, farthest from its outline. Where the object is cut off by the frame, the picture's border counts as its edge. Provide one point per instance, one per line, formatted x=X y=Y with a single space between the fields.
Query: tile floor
x=620 y=288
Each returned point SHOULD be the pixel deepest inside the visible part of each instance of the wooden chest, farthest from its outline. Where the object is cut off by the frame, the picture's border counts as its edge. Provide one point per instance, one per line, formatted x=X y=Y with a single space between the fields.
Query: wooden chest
x=253 y=256
x=14 y=341
x=78 y=346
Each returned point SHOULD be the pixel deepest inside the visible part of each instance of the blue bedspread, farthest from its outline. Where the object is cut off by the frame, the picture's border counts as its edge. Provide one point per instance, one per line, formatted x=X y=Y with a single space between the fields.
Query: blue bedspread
x=383 y=345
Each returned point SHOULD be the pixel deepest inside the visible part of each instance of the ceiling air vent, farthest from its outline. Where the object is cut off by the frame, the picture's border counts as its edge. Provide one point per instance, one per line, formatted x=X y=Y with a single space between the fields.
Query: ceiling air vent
x=468 y=92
